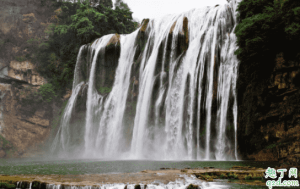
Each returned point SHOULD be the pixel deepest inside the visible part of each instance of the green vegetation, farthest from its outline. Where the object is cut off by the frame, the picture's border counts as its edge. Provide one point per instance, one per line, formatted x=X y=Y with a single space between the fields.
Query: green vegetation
x=206 y=176
x=5 y=143
x=248 y=177
x=7 y=146
x=35 y=184
x=104 y=90
x=191 y=186
x=75 y=24
x=20 y=58
x=273 y=145
x=251 y=177
x=232 y=176
x=47 y=92
x=7 y=185
x=266 y=28
x=222 y=176
x=32 y=40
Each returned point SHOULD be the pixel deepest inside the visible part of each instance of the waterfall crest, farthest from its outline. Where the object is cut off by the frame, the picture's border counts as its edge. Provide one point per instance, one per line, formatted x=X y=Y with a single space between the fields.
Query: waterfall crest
x=166 y=91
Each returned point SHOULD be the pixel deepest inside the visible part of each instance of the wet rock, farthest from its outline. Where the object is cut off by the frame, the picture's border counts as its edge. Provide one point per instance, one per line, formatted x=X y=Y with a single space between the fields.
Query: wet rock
x=114 y=41
x=107 y=62
x=192 y=186
x=184 y=35
x=43 y=185
x=25 y=185
x=172 y=27
x=144 y=26
x=137 y=186
x=35 y=185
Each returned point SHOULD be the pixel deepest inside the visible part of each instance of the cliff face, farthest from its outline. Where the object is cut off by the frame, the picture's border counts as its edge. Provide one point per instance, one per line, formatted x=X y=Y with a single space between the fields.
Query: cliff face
x=269 y=113
x=24 y=121
x=21 y=22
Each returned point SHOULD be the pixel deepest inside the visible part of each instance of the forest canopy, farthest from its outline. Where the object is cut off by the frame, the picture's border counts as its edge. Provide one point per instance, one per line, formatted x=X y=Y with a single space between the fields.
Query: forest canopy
x=266 y=28
x=73 y=25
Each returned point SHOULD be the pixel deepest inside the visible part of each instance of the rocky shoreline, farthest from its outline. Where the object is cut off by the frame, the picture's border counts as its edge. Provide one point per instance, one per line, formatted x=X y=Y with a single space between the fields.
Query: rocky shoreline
x=236 y=174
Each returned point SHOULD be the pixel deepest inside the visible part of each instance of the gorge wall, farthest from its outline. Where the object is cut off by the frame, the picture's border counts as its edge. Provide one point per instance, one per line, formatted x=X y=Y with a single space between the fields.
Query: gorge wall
x=269 y=114
x=25 y=121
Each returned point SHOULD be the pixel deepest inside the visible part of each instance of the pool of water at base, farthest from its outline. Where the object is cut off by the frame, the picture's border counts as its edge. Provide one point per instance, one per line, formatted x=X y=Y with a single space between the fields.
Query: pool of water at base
x=79 y=167
x=85 y=167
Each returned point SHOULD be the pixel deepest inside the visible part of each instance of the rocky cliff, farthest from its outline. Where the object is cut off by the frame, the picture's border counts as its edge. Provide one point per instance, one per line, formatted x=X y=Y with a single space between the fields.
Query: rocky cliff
x=269 y=112
x=25 y=121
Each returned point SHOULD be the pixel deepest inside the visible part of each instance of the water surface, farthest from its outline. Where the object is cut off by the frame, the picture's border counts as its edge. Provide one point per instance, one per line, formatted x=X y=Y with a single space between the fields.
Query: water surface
x=78 y=167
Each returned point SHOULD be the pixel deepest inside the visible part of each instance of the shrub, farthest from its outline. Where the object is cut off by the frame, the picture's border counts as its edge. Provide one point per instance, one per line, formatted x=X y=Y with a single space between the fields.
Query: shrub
x=230 y=175
x=222 y=176
x=235 y=176
x=47 y=92
x=248 y=177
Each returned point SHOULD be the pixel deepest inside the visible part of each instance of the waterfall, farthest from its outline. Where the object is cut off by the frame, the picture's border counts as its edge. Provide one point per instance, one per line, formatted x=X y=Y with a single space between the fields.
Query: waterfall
x=62 y=139
x=166 y=91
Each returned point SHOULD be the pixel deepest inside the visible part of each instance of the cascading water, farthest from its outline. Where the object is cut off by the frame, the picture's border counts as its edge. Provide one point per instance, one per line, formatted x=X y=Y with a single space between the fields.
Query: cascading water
x=165 y=91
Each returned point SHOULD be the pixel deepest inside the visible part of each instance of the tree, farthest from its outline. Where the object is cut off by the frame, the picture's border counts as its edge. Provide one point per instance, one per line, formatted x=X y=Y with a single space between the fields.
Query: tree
x=77 y=24
x=266 y=28
x=121 y=5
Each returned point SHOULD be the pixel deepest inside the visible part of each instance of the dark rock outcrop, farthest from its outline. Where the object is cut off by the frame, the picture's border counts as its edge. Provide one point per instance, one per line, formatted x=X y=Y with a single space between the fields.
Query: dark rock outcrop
x=107 y=63
x=269 y=113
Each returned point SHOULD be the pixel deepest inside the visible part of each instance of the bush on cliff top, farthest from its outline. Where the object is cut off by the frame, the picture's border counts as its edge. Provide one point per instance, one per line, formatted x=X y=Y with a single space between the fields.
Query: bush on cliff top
x=76 y=24
x=266 y=28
